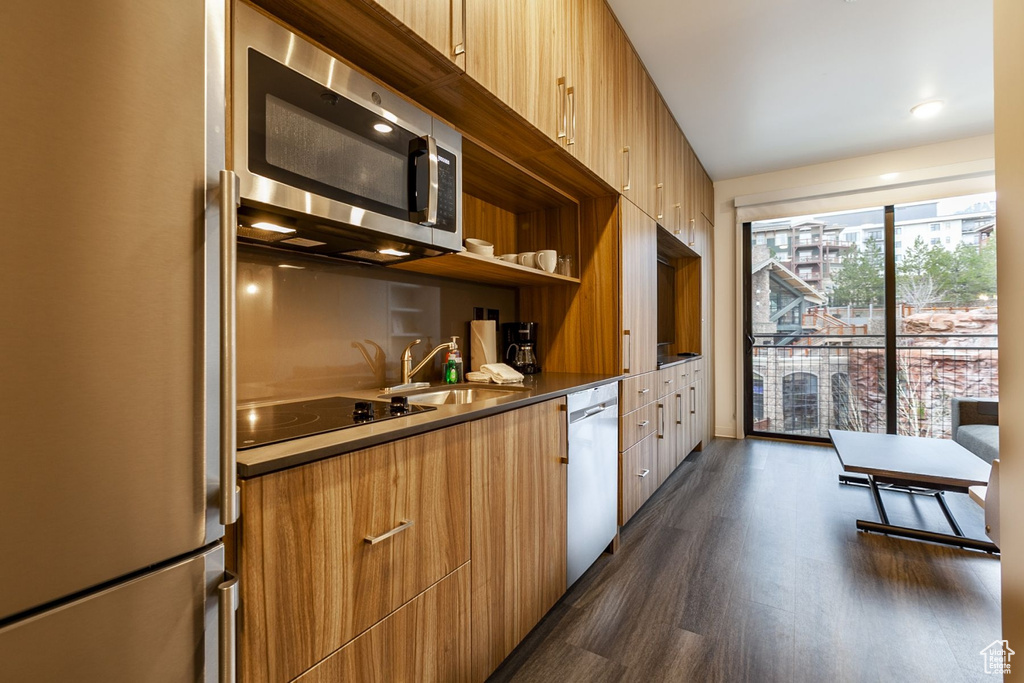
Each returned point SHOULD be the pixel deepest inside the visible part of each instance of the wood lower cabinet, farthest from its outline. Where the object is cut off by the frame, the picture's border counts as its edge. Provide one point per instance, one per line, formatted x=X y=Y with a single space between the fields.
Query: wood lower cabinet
x=427 y=640
x=312 y=580
x=518 y=527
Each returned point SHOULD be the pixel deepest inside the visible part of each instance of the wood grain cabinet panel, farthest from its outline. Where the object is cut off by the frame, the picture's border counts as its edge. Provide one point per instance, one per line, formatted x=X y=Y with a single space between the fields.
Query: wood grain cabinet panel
x=438 y=22
x=639 y=287
x=518 y=527
x=310 y=581
x=638 y=124
x=426 y=640
x=636 y=391
x=519 y=51
x=595 y=135
x=666 y=437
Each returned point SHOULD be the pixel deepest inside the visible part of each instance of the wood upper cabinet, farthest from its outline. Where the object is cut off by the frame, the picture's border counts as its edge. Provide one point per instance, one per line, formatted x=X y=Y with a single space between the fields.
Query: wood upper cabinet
x=316 y=561
x=639 y=289
x=670 y=179
x=594 y=129
x=639 y=133
x=519 y=51
x=707 y=196
x=518 y=527
x=439 y=22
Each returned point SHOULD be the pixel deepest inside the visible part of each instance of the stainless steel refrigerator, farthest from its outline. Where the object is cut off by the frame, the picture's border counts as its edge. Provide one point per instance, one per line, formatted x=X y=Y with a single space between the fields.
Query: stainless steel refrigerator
x=113 y=491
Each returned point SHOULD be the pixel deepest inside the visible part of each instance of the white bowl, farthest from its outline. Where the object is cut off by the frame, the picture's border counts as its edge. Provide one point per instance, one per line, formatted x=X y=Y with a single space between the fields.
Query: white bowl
x=475 y=246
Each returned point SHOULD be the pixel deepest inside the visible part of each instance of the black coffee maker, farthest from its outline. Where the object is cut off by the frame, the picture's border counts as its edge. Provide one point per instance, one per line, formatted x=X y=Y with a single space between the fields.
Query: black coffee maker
x=519 y=347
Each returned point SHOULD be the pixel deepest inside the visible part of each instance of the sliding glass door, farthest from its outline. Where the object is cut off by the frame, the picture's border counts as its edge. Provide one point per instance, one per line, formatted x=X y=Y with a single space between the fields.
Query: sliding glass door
x=867 y=321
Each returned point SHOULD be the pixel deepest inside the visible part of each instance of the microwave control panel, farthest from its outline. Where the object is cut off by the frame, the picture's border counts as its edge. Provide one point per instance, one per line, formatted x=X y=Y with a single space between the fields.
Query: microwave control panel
x=447 y=204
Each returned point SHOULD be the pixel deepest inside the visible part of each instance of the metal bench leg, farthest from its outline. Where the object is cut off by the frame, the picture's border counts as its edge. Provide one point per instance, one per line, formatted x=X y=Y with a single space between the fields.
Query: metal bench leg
x=948 y=513
x=878 y=500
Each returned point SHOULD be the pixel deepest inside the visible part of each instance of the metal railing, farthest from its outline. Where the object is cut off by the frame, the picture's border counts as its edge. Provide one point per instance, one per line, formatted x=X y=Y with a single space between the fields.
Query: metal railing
x=811 y=383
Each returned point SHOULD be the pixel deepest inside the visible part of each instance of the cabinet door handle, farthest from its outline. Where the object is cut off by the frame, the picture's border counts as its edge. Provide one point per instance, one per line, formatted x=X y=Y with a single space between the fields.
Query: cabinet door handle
x=679 y=219
x=460 y=47
x=562 y=116
x=625 y=159
x=644 y=391
x=374 y=540
x=668 y=381
x=693 y=400
x=628 y=341
x=644 y=423
x=679 y=409
x=693 y=231
x=570 y=94
x=643 y=473
x=661 y=417
x=660 y=189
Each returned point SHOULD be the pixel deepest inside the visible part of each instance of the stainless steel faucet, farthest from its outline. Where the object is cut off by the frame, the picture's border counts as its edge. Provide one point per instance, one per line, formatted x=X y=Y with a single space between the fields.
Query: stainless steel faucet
x=408 y=371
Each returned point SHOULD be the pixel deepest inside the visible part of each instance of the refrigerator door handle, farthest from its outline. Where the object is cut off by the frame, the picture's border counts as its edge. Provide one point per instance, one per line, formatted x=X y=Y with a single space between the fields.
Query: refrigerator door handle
x=230 y=200
x=228 y=593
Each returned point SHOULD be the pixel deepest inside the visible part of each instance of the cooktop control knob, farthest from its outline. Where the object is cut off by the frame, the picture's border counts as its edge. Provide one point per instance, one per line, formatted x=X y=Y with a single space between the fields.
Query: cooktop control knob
x=399 y=405
x=363 y=411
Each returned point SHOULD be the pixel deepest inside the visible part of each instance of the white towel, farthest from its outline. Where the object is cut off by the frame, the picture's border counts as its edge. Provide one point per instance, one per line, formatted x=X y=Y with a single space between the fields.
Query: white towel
x=501 y=373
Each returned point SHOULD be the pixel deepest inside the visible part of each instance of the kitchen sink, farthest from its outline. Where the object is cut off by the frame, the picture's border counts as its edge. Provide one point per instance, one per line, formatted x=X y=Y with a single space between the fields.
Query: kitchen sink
x=460 y=395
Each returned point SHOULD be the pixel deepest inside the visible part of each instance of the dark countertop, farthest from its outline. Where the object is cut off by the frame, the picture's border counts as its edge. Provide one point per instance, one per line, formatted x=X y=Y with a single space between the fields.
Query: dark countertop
x=669 y=361
x=544 y=386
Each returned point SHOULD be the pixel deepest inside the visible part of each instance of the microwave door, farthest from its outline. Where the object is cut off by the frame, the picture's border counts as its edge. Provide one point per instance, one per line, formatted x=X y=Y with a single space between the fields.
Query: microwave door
x=316 y=152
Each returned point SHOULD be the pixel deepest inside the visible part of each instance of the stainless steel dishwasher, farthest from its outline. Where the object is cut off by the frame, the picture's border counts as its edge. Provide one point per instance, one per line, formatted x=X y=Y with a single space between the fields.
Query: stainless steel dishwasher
x=593 y=476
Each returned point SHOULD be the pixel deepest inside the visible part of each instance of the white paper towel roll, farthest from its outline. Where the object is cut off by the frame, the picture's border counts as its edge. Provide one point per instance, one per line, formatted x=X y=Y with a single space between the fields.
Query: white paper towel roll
x=483 y=346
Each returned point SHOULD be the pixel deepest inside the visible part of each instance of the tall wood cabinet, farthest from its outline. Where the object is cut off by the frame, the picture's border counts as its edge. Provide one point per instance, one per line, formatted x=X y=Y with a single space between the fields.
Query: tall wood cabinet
x=639 y=289
x=438 y=22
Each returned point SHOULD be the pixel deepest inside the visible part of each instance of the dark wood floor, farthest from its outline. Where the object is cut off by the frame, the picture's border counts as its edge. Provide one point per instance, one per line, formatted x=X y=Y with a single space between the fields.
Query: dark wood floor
x=746 y=566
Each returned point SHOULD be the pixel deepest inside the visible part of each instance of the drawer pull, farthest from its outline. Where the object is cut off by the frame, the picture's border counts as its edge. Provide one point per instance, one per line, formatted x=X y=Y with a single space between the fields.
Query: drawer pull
x=644 y=391
x=668 y=381
x=373 y=540
x=644 y=423
x=644 y=473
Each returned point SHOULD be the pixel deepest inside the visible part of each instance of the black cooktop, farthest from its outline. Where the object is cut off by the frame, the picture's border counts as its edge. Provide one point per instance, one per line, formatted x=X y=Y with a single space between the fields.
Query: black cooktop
x=285 y=421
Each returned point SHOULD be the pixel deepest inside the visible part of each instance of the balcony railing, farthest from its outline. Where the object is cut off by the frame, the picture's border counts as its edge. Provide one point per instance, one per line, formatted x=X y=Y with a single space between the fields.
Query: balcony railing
x=816 y=382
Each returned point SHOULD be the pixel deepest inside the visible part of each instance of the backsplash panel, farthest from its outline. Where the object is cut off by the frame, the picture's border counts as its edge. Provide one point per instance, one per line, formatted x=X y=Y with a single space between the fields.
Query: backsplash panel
x=309 y=327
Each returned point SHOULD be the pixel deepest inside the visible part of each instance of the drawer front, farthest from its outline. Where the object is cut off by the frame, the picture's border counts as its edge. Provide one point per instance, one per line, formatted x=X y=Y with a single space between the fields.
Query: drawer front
x=637 y=425
x=666 y=382
x=637 y=391
x=328 y=549
x=683 y=371
x=637 y=476
x=426 y=640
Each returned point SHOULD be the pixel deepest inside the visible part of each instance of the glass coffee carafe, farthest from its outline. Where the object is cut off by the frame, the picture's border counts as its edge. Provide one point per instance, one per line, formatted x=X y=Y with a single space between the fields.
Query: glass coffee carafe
x=522 y=357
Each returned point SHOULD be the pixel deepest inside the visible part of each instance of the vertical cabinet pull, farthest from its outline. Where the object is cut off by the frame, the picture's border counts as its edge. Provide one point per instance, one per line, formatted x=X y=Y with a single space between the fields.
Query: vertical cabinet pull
x=570 y=94
x=563 y=113
x=693 y=400
x=660 y=188
x=627 y=351
x=679 y=219
x=693 y=231
x=679 y=409
x=625 y=160
x=661 y=418
x=459 y=16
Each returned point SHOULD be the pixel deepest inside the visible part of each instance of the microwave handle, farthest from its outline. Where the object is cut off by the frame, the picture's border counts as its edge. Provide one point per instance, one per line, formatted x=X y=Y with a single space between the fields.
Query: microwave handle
x=426 y=145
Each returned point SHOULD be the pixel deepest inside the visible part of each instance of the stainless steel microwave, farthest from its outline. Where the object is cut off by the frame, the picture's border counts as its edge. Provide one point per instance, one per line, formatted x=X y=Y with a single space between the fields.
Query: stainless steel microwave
x=331 y=162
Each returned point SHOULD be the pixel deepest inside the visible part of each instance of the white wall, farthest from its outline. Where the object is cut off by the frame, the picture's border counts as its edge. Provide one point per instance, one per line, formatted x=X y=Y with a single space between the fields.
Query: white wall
x=1009 y=83
x=831 y=178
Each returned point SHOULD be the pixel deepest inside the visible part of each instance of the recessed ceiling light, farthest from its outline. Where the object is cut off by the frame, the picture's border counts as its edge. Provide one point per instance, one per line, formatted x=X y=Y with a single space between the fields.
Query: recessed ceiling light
x=272 y=227
x=392 y=252
x=382 y=128
x=927 y=109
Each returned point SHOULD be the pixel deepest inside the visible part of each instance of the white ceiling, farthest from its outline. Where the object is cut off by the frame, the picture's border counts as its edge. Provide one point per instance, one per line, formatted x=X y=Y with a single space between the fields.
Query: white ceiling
x=764 y=85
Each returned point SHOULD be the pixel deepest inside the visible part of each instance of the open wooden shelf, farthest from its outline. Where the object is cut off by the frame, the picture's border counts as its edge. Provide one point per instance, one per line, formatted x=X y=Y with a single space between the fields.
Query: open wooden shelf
x=466 y=266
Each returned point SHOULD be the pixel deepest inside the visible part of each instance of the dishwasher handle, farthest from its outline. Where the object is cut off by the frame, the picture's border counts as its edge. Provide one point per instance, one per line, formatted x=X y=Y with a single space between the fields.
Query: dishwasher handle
x=590 y=411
